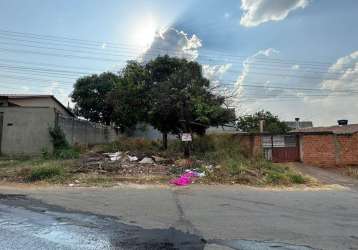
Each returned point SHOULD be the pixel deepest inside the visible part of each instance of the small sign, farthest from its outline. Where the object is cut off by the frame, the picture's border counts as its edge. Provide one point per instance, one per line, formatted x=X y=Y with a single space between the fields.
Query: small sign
x=186 y=137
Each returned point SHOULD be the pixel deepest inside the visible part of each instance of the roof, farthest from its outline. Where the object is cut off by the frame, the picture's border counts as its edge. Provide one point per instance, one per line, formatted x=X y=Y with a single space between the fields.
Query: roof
x=26 y=96
x=345 y=129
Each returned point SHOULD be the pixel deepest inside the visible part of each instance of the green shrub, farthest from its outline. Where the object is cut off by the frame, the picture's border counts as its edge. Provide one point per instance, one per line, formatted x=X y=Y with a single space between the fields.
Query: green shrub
x=66 y=153
x=58 y=138
x=276 y=178
x=297 y=179
x=45 y=154
x=44 y=172
x=62 y=149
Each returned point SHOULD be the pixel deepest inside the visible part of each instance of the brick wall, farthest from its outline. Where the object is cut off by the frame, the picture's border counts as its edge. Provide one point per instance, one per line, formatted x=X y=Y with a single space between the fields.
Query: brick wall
x=330 y=150
x=250 y=145
x=257 y=146
x=348 y=149
x=319 y=150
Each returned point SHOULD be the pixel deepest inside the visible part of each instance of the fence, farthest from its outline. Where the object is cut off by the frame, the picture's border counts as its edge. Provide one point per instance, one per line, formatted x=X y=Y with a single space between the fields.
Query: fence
x=84 y=132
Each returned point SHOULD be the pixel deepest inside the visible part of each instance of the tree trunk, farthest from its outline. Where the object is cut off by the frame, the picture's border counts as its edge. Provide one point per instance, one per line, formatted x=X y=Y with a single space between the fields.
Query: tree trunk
x=165 y=141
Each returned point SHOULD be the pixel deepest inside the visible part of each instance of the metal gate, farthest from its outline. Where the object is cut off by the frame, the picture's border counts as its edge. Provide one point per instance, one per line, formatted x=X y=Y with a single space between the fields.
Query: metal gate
x=281 y=148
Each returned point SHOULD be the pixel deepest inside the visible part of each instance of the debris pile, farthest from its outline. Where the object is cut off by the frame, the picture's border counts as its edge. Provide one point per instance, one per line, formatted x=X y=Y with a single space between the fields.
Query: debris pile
x=129 y=164
x=123 y=163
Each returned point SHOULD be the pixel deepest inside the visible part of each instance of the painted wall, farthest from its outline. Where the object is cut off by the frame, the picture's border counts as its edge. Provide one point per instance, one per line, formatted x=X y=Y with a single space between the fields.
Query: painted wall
x=25 y=130
x=84 y=132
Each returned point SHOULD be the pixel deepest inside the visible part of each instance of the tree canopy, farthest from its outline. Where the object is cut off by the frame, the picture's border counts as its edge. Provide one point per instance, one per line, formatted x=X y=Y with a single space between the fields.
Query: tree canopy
x=179 y=99
x=128 y=98
x=169 y=93
x=90 y=97
x=272 y=124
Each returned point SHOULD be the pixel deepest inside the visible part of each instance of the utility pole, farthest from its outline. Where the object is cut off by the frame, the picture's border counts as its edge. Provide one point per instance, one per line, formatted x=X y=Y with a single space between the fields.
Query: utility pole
x=186 y=127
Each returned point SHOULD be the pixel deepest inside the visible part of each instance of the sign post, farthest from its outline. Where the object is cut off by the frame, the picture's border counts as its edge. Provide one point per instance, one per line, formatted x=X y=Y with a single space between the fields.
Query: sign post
x=186 y=138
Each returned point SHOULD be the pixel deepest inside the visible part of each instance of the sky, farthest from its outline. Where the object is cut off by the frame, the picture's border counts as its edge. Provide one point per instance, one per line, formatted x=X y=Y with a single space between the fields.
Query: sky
x=295 y=58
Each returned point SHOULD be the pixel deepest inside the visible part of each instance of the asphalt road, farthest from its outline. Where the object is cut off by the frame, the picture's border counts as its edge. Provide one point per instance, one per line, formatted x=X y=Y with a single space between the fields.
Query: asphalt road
x=195 y=217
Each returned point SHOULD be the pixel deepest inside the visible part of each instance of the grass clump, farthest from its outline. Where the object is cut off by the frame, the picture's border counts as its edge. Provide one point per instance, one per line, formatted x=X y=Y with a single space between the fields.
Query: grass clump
x=45 y=171
x=66 y=153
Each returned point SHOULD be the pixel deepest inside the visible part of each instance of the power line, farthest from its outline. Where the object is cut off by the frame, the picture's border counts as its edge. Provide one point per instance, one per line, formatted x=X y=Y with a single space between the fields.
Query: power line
x=117 y=60
x=59 y=74
x=258 y=61
x=120 y=45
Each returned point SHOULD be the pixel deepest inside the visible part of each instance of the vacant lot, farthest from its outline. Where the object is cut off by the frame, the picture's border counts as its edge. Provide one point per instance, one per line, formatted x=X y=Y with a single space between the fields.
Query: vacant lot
x=215 y=159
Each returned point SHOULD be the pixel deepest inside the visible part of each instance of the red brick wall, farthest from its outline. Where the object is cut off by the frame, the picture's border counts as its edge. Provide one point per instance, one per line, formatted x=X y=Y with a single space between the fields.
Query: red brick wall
x=257 y=146
x=330 y=150
x=319 y=150
x=250 y=144
x=348 y=149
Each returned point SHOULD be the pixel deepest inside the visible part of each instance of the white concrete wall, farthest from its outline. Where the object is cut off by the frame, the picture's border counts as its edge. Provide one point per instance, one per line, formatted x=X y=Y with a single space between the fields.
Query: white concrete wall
x=26 y=130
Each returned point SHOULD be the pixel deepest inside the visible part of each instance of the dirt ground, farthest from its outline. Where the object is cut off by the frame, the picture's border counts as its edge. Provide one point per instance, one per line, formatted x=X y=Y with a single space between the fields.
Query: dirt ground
x=327 y=175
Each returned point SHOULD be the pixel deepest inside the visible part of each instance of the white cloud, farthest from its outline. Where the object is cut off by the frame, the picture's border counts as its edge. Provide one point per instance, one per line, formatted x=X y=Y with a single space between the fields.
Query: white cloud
x=296 y=66
x=342 y=82
x=248 y=74
x=215 y=72
x=257 y=12
x=343 y=74
x=173 y=42
x=104 y=45
x=324 y=106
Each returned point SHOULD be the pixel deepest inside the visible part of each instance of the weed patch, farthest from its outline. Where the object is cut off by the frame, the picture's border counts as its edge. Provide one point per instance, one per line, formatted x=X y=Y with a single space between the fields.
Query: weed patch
x=234 y=167
x=45 y=171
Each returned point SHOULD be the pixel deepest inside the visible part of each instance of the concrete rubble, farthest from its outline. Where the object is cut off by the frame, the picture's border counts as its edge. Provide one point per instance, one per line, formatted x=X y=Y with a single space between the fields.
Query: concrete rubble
x=124 y=164
x=146 y=160
x=137 y=164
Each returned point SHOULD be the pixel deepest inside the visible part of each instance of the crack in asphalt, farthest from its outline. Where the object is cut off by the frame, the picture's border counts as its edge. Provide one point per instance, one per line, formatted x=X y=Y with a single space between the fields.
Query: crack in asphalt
x=183 y=221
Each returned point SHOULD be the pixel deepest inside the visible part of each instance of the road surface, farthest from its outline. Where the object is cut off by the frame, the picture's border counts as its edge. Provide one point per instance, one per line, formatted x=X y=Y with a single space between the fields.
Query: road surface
x=195 y=217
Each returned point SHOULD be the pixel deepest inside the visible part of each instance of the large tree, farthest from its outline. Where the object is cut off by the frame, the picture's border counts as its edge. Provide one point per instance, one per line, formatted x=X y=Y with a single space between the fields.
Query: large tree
x=128 y=98
x=180 y=100
x=272 y=124
x=90 y=97
x=169 y=93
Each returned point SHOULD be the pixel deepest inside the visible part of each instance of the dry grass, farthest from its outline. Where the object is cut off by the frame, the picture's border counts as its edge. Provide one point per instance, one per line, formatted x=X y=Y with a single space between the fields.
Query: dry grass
x=352 y=172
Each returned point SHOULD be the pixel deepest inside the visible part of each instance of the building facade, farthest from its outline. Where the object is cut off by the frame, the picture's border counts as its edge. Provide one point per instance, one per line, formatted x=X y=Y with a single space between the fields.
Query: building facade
x=329 y=146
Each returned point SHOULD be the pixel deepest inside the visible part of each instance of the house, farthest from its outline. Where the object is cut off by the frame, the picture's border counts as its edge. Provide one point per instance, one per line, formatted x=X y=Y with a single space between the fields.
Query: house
x=329 y=146
x=273 y=147
x=25 y=121
x=48 y=101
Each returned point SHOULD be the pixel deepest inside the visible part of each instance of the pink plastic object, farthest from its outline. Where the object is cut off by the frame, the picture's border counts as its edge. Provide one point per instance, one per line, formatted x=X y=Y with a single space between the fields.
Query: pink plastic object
x=184 y=179
x=181 y=181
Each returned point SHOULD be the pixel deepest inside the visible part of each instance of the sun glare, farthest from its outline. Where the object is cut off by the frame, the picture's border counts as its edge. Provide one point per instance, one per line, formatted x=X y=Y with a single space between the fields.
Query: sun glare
x=144 y=32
